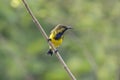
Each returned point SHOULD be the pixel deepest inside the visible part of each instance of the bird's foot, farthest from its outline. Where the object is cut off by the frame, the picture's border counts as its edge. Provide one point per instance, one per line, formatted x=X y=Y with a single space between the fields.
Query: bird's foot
x=49 y=40
x=56 y=51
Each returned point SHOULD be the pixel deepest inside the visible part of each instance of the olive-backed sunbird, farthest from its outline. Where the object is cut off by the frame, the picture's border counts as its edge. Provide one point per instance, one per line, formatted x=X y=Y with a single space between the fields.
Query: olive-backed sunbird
x=56 y=36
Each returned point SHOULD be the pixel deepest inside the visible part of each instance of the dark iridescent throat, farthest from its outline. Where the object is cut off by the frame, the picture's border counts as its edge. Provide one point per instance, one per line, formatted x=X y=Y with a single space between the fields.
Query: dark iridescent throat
x=59 y=35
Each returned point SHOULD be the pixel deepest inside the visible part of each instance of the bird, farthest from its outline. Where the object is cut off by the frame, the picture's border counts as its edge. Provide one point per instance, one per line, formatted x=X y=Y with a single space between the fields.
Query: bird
x=56 y=36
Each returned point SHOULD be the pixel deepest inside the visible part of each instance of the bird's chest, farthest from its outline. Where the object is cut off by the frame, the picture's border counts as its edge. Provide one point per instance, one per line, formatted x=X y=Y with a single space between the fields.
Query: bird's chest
x=56 y=43
x=56 y=39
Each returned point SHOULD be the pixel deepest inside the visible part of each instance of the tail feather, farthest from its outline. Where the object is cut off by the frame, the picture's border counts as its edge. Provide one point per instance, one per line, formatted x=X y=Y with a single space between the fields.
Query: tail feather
x=50 y=52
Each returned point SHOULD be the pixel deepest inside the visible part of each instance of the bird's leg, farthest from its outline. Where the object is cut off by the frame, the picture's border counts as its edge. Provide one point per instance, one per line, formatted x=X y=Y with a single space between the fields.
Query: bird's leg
x=56 y=50
x=49 y=39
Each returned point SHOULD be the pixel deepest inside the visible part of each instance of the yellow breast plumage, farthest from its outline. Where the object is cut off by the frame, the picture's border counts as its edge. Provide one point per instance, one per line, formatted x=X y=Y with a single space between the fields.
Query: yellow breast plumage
x=56 y=43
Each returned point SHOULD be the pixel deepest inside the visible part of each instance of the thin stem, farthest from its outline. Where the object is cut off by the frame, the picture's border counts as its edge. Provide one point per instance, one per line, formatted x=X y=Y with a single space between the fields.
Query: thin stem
x=49 y=42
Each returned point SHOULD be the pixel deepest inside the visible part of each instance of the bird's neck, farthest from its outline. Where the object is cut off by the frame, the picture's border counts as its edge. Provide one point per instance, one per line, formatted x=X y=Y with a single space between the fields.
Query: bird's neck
x=59 y=35
x=63 y=31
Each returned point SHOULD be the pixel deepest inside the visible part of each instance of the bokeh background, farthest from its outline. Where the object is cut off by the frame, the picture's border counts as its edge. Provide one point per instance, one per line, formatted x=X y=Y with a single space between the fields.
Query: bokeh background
x=91 y=49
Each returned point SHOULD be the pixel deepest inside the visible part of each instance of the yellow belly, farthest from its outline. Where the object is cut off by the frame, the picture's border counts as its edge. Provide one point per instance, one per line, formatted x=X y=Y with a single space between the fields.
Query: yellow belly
x=56 y=43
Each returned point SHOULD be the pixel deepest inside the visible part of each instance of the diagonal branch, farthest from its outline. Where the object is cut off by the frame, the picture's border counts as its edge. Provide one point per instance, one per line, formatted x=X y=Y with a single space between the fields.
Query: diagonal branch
x=49 y=42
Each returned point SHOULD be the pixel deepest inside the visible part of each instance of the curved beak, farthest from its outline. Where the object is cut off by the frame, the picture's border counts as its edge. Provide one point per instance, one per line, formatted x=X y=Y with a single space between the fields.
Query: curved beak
x=69 y=27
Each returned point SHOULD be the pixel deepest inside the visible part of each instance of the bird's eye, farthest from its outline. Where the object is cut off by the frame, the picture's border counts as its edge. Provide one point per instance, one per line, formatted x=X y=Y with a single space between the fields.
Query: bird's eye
x=64 y=27
x=58 y=32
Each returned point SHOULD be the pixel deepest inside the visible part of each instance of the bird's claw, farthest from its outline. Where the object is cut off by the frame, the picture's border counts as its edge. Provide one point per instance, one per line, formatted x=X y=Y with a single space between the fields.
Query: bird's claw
x=49 y=40
x=56 y=51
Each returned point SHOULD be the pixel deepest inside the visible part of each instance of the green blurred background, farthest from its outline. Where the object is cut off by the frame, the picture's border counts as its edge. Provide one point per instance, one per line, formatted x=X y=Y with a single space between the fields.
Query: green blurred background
x=91 y=49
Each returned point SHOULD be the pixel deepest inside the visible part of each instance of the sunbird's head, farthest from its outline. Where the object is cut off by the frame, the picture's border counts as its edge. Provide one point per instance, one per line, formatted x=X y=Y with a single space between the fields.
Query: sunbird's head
x=62 y=28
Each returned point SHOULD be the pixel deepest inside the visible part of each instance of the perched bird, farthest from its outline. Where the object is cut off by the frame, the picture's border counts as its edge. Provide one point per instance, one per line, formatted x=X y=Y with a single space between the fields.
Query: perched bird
x=56 y=36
